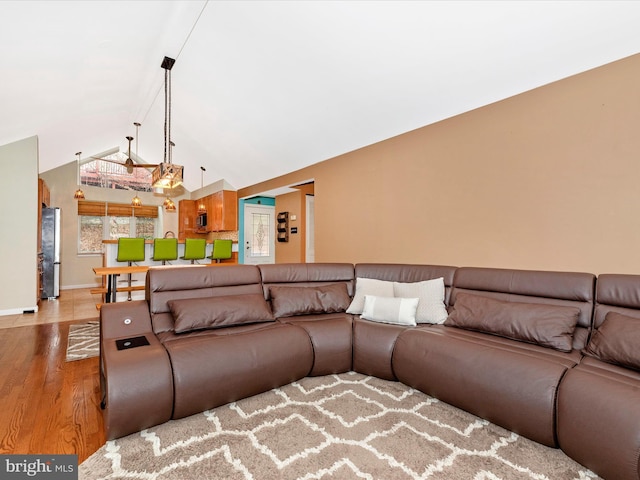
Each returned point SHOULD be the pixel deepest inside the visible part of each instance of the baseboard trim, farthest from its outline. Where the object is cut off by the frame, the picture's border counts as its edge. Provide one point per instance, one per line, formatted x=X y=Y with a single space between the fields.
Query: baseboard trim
x=74 y=287
x=19 y=311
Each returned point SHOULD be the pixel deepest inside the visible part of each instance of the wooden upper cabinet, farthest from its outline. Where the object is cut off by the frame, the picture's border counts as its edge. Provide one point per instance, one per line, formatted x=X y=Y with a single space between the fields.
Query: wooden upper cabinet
x=225 y=215
x=186 y=219
x=222 y=211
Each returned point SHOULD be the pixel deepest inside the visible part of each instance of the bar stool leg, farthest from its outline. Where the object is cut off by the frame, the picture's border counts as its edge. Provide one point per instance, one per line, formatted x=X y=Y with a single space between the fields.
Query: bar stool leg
x=129 y=285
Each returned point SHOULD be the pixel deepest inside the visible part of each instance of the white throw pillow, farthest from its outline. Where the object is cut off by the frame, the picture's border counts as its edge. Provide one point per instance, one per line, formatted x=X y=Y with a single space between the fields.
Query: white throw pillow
x=368 y=286
x=431 y=308
x=399 y=311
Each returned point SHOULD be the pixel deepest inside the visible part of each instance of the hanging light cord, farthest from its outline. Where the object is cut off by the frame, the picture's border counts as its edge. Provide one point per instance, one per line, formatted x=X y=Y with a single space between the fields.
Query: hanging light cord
x=167 y=115
x=184 y=44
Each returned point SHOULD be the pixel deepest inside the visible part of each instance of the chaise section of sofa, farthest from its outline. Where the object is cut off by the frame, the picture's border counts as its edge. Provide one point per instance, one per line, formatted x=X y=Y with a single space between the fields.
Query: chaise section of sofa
x=512 y=382
x=599 y=399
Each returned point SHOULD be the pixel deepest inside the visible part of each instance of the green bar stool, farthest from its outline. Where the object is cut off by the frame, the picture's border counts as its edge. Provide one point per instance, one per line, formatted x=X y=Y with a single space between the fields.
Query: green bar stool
x=221 y=250
x=165 y=250
x=129 y=250
x=194 y=249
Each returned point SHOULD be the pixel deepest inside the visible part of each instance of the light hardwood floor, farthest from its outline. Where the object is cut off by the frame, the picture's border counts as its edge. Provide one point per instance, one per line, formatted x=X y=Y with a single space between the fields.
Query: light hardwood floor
x=72 y=305
x=48 y=405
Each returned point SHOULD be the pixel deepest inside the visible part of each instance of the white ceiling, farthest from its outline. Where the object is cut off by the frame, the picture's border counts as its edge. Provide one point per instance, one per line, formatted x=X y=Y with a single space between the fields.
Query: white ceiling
x=263 y=88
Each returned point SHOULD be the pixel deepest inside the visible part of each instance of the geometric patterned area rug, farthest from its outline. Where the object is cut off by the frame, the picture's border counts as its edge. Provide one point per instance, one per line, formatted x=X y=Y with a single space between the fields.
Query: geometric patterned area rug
x=84 y=341
x=346 y=426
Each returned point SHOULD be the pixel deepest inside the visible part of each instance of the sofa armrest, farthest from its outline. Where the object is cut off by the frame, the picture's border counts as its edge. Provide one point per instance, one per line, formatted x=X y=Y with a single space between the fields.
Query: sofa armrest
x=136 y=382
x=137 y=387
x=125 y=319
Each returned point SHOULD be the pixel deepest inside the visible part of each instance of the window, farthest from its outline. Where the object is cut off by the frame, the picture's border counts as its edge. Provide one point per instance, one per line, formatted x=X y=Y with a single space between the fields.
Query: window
x=145 y=227
x=90 y=234
x=119 y=227
x=99 y=221
x=107 y=174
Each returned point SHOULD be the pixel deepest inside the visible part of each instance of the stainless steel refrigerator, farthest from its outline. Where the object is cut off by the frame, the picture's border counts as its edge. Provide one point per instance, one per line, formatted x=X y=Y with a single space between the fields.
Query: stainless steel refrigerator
x=50 y=253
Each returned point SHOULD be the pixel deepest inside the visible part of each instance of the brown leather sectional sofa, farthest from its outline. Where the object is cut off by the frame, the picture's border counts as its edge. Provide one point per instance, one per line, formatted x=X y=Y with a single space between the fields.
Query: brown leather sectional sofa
x=552 y=356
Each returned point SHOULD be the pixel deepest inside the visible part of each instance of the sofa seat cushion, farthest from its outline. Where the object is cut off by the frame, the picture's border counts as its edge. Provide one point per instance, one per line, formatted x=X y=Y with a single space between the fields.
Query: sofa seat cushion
x=373 y=345
x=510 y=383
x=212 y=370
x=568 y=359
x=599 y=418
x=171 y=336
x=330 y=336
x=546 y=325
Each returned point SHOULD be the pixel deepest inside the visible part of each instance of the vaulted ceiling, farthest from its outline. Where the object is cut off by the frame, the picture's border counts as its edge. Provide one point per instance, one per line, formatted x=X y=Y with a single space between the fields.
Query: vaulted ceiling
x=262 y=88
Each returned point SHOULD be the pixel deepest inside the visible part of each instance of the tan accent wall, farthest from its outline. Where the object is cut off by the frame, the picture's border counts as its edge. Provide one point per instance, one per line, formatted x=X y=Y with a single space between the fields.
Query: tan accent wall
x=549 y=180
x=293 y=250
x=295 y=203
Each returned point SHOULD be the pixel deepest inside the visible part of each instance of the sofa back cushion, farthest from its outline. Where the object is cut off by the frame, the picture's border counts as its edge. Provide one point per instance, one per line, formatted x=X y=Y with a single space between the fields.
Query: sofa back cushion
x=616 y=293
x=617 y=341
x=566 y=289
x=550 y=326
x=191 y=314
x=292 y=301
x=616 y=320
x=306 y=275
x=405 y=273
x=195 y=281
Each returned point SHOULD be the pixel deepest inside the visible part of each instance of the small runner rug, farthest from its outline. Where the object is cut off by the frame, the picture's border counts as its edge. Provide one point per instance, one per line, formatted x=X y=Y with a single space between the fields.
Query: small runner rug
x=347 y=426
x=84 y=339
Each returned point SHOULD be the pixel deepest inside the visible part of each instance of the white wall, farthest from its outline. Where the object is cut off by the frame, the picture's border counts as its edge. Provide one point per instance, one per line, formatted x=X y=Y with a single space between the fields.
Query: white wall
x=19 y=234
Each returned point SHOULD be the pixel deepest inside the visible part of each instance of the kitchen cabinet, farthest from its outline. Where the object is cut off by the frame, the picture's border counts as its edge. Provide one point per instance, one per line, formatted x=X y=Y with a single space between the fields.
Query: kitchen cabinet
x=222 y=211
x=187 y=214
x=222 y=214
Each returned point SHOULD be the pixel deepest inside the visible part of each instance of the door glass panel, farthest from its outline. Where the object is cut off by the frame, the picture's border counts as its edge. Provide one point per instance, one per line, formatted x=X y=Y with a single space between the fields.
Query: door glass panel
x=259 y=242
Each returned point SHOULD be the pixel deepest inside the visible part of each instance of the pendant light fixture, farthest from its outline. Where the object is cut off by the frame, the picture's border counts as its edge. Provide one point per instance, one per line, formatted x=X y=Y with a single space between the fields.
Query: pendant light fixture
x=169 y=206
x=79 y=195
x=202 y=208
x=136 y=202
x=167 y=174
